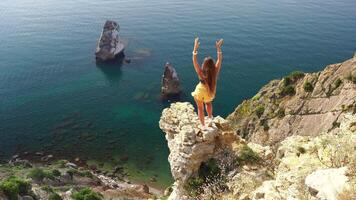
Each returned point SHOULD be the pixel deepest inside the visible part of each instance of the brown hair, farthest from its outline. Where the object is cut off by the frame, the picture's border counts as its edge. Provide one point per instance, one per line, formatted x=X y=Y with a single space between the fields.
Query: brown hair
x=210 y=74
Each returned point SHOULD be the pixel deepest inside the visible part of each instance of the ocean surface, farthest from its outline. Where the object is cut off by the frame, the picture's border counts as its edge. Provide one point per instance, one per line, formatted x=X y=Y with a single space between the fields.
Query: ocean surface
x=55 y=98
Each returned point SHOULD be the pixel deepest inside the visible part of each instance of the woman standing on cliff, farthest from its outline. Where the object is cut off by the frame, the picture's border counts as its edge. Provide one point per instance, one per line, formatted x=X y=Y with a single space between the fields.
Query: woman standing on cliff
x=204 y=92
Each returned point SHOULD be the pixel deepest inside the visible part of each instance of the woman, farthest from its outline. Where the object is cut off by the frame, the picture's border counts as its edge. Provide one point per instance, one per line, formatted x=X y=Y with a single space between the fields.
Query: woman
x=204 y=92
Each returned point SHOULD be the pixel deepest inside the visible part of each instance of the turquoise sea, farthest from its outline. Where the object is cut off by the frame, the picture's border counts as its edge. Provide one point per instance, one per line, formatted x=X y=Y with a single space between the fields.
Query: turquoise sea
x=55 y=98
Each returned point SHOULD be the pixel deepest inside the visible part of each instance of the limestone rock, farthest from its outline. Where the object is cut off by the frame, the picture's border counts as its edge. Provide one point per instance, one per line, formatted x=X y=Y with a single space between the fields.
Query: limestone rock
x=109 y=45
x=305 y=112
x=189 y=145
x=328 y=182
x=170 y=82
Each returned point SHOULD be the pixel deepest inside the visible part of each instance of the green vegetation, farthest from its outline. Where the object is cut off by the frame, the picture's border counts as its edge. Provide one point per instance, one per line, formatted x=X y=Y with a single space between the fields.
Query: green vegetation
x=301 y=150
x=54 y=196
x=334 y=86
x=85 y=173
x=294 y=76
x=86 y=194
x=244 y=109
x=288 y=87
x=256 y=97
x=280 y=113
x=13 y=186
x=308 y=87
x=61 y=163
x=352 y=78
x=208 y=172
x=337 y=83
x=288 y=90
x=56 y=172
x=247 y=155
x=260 y=110
x=39 y=174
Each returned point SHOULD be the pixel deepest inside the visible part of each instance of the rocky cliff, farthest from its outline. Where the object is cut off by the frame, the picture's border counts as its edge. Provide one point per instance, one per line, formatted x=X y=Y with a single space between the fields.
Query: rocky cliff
x=299 y=104
x=287 y=142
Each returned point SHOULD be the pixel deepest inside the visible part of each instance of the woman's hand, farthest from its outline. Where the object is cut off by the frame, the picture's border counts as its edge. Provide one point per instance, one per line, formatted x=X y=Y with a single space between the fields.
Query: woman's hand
x=196 y=44
x=219 y=43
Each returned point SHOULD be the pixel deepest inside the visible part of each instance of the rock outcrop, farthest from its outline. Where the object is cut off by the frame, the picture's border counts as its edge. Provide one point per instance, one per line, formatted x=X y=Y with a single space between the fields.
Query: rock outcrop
x=170 y=82
x=299 y=104
x=189 y=145
x=109 y=44
x=296 y=129
x=327 y=182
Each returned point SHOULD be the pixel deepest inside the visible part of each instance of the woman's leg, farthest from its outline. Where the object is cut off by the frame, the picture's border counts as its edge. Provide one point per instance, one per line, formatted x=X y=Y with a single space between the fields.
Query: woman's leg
x=200 y=106
x=209 y=109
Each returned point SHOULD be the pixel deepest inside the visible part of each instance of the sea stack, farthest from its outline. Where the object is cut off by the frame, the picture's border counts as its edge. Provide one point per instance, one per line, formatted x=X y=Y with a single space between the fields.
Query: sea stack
x=109 y=45
x=170 y=82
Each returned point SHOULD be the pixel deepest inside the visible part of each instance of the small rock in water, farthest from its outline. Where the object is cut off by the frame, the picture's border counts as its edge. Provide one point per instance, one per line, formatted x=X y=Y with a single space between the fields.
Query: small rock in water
x=170 y=82
x=109 y=45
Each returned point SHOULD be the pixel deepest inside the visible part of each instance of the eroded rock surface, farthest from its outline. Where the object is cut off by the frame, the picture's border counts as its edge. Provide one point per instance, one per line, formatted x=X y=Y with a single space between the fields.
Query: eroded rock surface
x=109 y=45
x=170 y=82
x=189 y=145
x=299 y=104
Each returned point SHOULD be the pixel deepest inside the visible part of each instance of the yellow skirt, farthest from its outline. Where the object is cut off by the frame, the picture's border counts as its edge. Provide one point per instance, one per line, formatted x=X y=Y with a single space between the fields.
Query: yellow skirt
x=201 y=93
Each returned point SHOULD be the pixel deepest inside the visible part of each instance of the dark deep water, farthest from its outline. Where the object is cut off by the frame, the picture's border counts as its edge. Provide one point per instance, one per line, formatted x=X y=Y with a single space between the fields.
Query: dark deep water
x=54 y=97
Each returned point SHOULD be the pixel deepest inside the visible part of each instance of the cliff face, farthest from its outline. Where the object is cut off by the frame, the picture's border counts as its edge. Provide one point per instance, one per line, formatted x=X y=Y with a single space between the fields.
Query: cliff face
x=189 y=145
x=299 y=104
x=287 y=142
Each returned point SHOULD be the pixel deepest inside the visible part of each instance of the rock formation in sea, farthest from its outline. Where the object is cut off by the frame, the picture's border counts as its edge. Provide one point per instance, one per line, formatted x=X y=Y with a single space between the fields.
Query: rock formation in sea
x=109 y=45
x=287 y=142
x=170 y=82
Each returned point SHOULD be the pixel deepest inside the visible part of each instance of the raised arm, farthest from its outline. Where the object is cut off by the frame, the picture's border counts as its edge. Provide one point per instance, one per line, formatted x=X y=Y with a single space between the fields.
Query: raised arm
x=218 y=45
x=195 y=59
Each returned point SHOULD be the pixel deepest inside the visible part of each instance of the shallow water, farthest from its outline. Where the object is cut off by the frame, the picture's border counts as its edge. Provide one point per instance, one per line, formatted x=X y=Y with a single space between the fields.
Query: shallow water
x=54 y=97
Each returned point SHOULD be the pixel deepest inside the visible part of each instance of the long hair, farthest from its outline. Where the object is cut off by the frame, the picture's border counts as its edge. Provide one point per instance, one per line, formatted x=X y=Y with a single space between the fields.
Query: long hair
x=210 y=76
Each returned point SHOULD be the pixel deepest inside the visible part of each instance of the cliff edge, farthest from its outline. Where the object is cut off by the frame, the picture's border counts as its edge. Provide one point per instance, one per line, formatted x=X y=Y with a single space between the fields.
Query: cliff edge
x=299 y=104
x=287 y=142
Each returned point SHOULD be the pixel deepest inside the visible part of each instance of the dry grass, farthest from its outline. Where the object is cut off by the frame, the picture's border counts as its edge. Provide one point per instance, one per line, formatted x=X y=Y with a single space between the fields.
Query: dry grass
x=349 y=194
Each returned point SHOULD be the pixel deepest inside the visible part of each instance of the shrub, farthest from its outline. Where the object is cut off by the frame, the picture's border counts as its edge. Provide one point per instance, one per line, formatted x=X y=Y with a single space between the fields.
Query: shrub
x=308 y=87
x=247 y=155
x=260 y=110
x=337 y=83
x=54 y=196
x=194 y=185
x=208 y=172
x=39 y=174
x=86 y=194
x=296 y=75
x=85 y=173
x=244 y=109
x=14 y=186
x=280 y=113
x=301 y=150
x=288 y=90
x=56 y=172
x=287 y=81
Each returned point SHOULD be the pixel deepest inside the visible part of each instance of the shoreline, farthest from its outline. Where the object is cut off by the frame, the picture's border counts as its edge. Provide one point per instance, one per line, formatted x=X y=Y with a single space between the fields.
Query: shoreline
x=41 y=159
